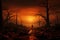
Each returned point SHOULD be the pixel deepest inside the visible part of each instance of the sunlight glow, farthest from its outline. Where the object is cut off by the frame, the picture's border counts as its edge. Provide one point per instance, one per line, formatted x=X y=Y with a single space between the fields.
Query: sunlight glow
x=30 y=19
x=27 y=16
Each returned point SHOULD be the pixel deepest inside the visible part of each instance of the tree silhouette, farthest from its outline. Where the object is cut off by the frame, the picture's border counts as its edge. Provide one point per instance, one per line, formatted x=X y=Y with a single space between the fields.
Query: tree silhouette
x=47 y=14
x=0 y=15
x=41 y=16
x=16 y=19
x=8 y=17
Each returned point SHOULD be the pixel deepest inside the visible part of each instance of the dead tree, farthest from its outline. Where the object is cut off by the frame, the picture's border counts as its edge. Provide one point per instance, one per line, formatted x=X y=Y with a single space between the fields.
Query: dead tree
x=47 y=14
x=16 y=19
x=8 y=17
x=0 y=16
x=41 y=16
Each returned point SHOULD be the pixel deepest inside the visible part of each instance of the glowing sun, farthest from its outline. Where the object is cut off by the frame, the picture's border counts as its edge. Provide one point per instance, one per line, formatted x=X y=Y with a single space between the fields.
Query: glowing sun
x=30 y=19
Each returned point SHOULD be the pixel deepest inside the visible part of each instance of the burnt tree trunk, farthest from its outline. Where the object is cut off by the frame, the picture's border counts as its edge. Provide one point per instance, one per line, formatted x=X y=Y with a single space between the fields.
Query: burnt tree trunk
x=16 y=19
x=0 y=14
x=47 y=14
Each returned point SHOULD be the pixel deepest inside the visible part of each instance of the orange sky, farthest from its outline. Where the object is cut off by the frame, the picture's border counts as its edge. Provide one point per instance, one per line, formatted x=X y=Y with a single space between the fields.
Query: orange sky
x=28 y=17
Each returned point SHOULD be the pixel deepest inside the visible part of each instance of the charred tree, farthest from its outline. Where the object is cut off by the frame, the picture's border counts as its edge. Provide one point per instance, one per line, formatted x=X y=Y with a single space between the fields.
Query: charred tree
x=47 y=14
x=16 y=19
x=41 y=16
x=8 y=16
x=0 y=14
